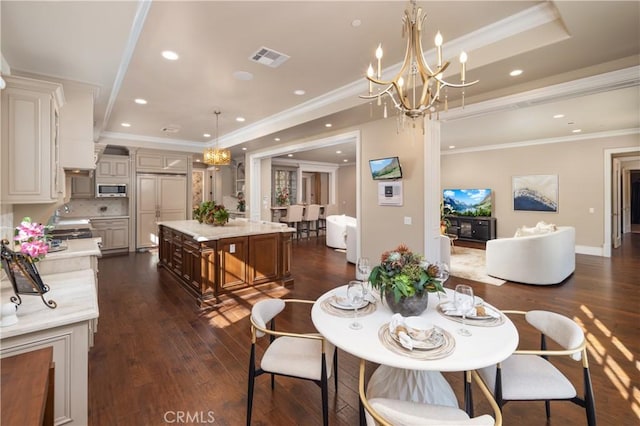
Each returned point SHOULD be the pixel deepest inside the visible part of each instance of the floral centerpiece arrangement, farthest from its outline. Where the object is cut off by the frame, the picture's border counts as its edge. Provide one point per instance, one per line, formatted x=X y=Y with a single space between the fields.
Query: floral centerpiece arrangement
x=282 y=197
x=405 y=279
x=32 y=238
x=211 y=213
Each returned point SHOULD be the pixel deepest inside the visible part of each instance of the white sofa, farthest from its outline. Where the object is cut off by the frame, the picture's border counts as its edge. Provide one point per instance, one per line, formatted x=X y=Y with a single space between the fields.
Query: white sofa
x=337 y=230
x=541 y=259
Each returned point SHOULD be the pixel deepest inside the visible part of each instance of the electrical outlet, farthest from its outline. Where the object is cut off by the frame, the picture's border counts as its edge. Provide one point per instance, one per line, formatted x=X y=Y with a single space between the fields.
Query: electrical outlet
x=407 y=220
x=232 y=248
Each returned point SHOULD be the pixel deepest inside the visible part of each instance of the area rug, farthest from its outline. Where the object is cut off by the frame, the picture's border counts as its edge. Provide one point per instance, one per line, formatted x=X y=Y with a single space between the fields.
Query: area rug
x=469 y=263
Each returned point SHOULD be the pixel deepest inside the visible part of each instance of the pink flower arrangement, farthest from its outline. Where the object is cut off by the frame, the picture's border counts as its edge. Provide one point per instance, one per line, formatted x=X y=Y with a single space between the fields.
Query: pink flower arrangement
x=32 y=239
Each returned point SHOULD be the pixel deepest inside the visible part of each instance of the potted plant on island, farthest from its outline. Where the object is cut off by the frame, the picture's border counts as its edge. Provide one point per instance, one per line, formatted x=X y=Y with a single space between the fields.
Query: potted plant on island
x=211 y=213
x=405 y=280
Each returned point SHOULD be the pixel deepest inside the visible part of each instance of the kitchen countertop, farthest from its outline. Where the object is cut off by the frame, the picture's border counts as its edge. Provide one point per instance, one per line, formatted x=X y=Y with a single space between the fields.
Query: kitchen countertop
x=234 y=228
x=76 y=248
x=75 y=294
x=108 y=217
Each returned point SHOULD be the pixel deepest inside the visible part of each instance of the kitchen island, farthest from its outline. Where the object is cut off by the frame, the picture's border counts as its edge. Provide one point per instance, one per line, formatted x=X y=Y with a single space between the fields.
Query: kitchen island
x=212 y=262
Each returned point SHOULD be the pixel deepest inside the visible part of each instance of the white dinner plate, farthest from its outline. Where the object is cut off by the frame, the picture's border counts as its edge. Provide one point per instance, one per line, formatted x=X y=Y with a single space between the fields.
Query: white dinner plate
x=339 y=300
x=434 y=342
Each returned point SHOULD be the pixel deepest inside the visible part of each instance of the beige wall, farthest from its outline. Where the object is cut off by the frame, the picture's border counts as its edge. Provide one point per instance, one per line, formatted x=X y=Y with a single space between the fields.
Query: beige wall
x=382 y=227
x=580 y=168
x=346 y=196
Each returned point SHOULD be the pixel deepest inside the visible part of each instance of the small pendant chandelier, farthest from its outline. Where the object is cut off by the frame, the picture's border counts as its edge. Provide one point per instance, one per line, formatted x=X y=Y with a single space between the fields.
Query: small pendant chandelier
x=215 y=156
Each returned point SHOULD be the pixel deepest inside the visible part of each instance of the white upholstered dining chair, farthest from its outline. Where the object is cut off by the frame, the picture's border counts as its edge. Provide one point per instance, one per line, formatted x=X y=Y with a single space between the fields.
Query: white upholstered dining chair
x=293 y=217
x=393 y=412
x=304 y=356
x=529 y=375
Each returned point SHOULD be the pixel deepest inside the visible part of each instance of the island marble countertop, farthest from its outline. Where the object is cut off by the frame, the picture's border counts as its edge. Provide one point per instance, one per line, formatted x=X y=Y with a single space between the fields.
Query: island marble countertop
x=75 y=294
x=234 y=228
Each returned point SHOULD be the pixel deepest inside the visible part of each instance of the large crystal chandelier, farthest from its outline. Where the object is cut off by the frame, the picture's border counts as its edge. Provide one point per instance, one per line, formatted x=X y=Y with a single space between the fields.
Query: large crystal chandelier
x=215 y=156
x=416 y=90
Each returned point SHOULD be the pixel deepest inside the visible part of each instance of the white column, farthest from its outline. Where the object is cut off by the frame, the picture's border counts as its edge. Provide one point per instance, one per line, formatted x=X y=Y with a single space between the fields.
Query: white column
x=432 y=192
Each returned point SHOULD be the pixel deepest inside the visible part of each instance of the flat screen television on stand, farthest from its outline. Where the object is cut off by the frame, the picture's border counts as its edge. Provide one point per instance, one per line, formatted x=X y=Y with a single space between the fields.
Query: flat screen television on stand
x=385 y=168
x=467 y=202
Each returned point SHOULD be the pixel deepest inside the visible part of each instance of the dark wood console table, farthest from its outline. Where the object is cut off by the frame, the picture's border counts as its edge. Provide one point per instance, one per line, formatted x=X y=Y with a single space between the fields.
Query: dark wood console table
x=28 y=388
x=472 y=228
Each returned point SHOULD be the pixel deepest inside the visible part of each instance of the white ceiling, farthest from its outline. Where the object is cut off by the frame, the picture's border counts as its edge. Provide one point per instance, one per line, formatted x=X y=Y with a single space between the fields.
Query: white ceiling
x=582 y=49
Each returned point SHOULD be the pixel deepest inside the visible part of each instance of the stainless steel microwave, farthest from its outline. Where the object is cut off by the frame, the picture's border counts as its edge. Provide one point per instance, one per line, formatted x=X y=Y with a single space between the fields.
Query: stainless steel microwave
x=111 y=190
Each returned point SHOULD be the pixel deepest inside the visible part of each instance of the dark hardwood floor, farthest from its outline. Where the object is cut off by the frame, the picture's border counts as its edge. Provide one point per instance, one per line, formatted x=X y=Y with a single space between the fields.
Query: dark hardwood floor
x=159 y=360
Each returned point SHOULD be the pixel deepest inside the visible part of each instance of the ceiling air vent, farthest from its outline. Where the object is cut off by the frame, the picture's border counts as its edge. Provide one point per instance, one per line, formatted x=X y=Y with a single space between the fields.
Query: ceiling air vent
x=269 y=57
x=171 y=129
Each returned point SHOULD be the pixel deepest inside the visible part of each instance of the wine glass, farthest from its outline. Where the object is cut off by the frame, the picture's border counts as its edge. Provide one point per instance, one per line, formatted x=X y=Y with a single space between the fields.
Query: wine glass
x=363 y=270
x=463 y=299
x=442 y=276
x=355 y=294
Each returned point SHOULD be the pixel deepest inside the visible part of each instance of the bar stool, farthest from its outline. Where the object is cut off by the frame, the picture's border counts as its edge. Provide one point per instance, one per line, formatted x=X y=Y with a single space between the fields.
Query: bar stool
x=311 y=214
x=328 y=210
x=293 y=217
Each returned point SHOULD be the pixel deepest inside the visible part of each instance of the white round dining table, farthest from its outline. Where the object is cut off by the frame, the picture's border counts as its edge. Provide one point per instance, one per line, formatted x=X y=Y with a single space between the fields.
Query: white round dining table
x=486 y=345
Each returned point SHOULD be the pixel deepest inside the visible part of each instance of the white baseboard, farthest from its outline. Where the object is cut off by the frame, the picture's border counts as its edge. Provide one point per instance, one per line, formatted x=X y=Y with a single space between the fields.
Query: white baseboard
x=594 y=251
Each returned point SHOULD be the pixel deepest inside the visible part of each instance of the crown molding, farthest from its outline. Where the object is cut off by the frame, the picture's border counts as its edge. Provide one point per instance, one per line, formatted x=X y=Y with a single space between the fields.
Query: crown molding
x=572 y=138
x=613 y=80
x=127 y=139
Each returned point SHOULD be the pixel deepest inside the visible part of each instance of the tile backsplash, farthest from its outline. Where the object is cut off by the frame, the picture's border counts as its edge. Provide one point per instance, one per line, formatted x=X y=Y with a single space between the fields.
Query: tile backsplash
x=97 y=207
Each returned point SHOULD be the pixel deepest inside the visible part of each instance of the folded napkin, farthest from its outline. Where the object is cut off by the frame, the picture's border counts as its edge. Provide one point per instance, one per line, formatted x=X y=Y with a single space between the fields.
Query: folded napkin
x=449 y=308
x=397 y=326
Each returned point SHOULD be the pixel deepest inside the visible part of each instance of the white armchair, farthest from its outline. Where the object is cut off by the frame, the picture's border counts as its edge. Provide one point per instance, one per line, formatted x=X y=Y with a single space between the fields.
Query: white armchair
x=542 y=259
x=337 y=230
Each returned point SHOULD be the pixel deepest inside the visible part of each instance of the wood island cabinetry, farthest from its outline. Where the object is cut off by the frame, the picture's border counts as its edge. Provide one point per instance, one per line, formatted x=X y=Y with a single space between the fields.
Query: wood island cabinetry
x=211 y=268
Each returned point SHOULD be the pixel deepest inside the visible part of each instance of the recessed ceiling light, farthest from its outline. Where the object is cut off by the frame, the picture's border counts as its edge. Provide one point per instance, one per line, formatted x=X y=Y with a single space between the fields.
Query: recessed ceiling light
x=170 y=55
x=515 y=73
x=289 y=155
x=356 y=23
x=276 y=139
x=197 y=160
x=328 y=125
x=338 y=152
x=576 y=130
x=452 y=146
x=125 y=124
x=345 y=161
x=299 y=92
x=244 y=148
x=206 y=135
x=243 y=75
x=558 y=116
x=140 y=101
x=240 y=119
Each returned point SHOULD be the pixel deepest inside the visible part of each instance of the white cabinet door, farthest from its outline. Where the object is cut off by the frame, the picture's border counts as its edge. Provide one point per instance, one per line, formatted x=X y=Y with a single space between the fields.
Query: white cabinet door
x=82 y=187
x=113 y=167
x=29 y=150
x=158 y=198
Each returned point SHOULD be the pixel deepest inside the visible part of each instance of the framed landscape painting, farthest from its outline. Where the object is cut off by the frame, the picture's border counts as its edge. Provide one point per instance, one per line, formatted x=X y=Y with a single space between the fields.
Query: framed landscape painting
x=537 y=193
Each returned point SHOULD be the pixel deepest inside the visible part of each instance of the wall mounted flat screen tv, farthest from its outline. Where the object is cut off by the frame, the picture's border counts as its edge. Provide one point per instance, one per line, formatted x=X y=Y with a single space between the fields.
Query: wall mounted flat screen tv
x=385 y=168
x=467 y=202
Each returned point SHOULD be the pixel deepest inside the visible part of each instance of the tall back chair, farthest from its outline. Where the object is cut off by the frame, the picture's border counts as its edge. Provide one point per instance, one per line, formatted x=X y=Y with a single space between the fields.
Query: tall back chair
x=293 y=217
x=389 y=412
x=297 y=355
x=310 y=216
x=528 y=375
